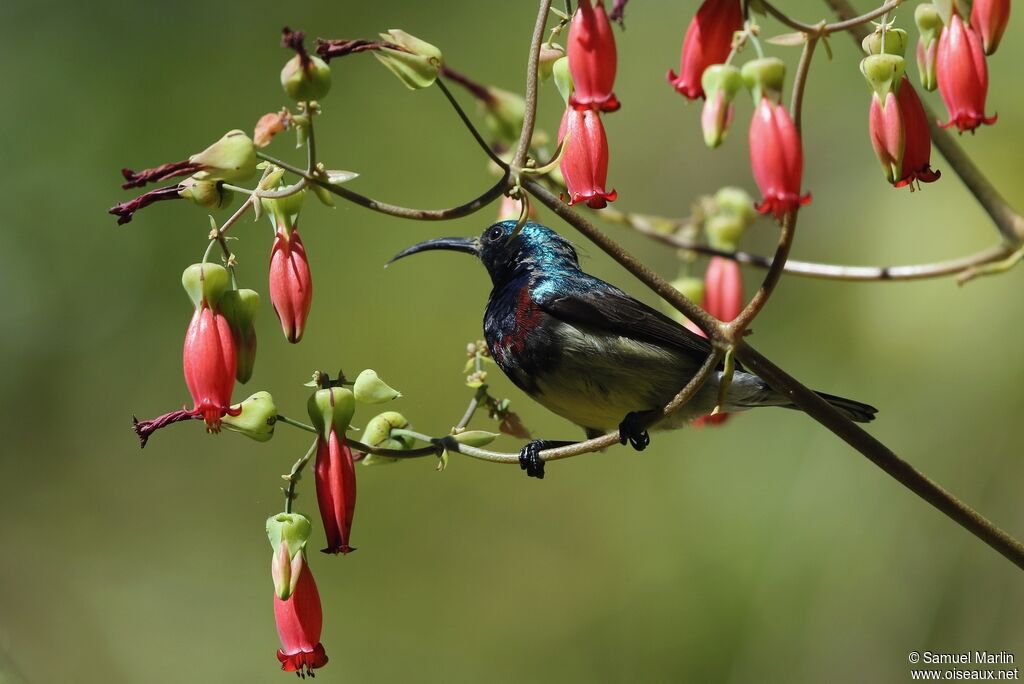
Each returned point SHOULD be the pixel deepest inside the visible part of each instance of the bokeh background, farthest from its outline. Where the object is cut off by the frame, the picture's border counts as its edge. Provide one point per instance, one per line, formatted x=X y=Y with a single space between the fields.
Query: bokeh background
x=766 y=550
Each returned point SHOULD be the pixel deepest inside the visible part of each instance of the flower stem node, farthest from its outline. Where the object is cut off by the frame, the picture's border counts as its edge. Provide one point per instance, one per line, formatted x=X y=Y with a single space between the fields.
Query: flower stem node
x=256 y=418
x=415 y=62
x=306 y=77
x=206 y=193
x=240 y=308
x=331 y=409
x=288 y=534
x=892 y=42
x=370 y=389
x=205 y=283
x=232 y=158
x=765 y=77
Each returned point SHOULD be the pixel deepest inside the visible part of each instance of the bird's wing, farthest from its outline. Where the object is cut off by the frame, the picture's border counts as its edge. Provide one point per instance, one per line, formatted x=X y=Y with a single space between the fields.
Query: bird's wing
x=607 y=308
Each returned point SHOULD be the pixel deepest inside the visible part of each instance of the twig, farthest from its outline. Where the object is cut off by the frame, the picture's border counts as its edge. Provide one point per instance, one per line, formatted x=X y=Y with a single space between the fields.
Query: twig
x=530 y=115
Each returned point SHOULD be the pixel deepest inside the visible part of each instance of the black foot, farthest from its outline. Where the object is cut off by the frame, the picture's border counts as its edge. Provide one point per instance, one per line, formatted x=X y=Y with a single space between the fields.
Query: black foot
x=632 y=429
x=529 y=456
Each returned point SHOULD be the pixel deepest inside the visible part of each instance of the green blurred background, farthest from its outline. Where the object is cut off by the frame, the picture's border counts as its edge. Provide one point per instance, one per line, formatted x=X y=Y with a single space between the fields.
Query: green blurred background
x=766 y=550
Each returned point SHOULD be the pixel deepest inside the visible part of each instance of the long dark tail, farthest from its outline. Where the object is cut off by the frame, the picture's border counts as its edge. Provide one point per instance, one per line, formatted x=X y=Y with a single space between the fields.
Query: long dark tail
x=854 y=410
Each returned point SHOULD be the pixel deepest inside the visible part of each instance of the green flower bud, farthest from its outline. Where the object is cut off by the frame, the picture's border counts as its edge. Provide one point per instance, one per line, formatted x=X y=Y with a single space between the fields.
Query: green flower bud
x=895 y=42
x=205 y=283
x=563 y=77
x=724 y=77
x=232 y=158
x=764 y=77
x=377 y=433
x=928 y=20
x=735 y=202
x=475 y=438
x=549 y=54
x=724 y=231
x=257 y=419
x=331 y=408
x=240 y=308
x=417 y=65
x=206 y=193
x=883 y=73
x=691 y=288
x=370 y=389
x=288 y=534
x=306 y=79
x=504 y=114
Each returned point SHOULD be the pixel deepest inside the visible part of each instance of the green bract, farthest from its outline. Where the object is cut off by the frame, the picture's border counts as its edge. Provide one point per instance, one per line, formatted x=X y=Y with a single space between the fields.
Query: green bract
x=416 y=63
x=257 y=419
x=895 y=42
x=288 y=534
x=232 y=158
x=206 y=193
x=377 y=433
x=764 y=77
x=370 y=389
x=240 y=308
x=306 y=79
x=331 y=408
x=205 y=283
x=883 y=73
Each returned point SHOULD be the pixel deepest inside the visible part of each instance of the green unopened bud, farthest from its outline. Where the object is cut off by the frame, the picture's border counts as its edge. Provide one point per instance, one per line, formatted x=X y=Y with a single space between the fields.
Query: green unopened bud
x=416 y=64
x=206 y=193
x=883 y=73
x=331 y=408
x=288 y=534
x=240 y=308
x=549 y=54
x=928 y=20
x=257 y=418
x=721 y=77
x=475 y=438
x=205 y=283
x=370 y=389
x=945 y=10
x=735 y=202
x=306 y=79
x=232 y=158
x=724 y=231
x=691 y=288
x=764 y=77
x=563 y=77
x=504 y=113
x=284 y=211
x=895 y=42
x=377 y=433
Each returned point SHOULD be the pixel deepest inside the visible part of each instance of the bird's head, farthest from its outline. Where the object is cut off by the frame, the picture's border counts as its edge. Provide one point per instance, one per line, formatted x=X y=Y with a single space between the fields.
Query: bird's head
x=535 y=248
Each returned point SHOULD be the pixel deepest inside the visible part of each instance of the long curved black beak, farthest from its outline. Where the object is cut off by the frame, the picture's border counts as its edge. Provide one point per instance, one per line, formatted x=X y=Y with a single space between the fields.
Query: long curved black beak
x=454 y=244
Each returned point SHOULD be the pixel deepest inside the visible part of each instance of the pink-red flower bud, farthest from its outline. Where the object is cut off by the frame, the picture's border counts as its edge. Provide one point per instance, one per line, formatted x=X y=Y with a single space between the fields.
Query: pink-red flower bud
x=917 y=149
x=721 y=83
x=723 y=289
x=584 y=163
x=708 y=41
x=989 y=18
x=335 y=490
x=885 y=124
x=291 y=284
x=209 y=362
x=929 y=26
x=777 y=159
x=963 y=76
x=592 y=58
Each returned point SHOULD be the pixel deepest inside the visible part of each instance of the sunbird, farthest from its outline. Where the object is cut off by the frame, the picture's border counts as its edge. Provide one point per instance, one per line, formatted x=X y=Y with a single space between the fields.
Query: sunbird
x=589 y=352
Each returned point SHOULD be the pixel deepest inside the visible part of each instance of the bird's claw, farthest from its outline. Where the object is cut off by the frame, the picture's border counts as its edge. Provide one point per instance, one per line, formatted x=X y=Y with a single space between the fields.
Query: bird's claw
x=632 y=430
x=530 y=460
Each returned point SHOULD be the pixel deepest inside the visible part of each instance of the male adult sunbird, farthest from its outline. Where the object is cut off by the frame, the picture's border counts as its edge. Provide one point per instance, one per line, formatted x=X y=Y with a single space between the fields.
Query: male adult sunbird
x=589 y=352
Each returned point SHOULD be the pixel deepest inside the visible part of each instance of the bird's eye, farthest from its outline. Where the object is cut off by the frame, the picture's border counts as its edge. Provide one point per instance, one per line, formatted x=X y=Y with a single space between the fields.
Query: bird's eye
x=495 y=233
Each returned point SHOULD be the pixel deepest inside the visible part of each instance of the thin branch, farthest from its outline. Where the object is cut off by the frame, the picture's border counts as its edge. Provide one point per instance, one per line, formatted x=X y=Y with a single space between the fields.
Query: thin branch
x=472 y=206
x=469 y=125
x=859 y=21
x=1009 y=223
x=530 y=115
x=879 y=454
x=296 y=474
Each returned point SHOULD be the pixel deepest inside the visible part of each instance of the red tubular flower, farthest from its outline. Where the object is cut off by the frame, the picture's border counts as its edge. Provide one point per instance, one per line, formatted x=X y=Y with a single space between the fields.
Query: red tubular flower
x=299 y=621
x=777 y=159
x=335 y=490
x=592 y=58
x=885 y=124
x=723 y=289
x=291 y=285
x=963 y=76
x=708 y=41
x=584 y=162
x=989 y=18
x=209 y=361
x=917 y=149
